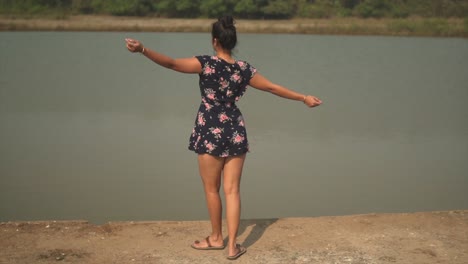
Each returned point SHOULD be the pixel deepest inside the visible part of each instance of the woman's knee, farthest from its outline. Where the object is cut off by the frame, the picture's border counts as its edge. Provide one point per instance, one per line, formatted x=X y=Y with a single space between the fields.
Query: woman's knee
x=230 y=189
x=212 y=187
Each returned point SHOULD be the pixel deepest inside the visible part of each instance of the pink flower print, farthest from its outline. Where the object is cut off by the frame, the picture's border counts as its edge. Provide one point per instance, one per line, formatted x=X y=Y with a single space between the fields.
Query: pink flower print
x=241 y=64
x=237 y=138
x=237 y=98
x=228 y=93
x=210 y=94
x=223 y=118
x=196 y=142
x=223 y=84
x=208 y=106
x=207 y=69
x=236 y=77
x=209 y=146
x=201 y=120
x=216 y=131
x=225 y=154
x=193 y=132
x=241 y=121
x=253 y=70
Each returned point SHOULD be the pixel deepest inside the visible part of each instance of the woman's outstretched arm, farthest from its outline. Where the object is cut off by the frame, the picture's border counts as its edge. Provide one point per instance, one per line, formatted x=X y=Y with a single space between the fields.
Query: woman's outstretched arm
x=186 y=65
x=262 y=83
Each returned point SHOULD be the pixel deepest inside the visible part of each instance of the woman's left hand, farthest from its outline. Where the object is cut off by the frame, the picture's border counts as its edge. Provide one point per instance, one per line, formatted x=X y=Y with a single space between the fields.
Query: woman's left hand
x=134 y=45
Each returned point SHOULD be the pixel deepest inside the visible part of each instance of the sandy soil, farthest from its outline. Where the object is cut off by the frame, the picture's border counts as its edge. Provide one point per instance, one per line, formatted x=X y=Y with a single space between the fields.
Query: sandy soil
x=428 y=237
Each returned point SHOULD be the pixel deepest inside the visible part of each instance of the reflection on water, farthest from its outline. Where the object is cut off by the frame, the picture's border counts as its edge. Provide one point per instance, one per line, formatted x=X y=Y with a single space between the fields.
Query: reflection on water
x=90 y=131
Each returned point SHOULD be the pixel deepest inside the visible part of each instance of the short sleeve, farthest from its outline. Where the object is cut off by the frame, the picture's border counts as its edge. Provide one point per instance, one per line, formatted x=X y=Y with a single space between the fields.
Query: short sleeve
x=248 y=71
x=203 y=59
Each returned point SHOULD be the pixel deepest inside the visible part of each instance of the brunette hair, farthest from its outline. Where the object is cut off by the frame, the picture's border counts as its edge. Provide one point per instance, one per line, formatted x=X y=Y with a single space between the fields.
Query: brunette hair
x=225 y=32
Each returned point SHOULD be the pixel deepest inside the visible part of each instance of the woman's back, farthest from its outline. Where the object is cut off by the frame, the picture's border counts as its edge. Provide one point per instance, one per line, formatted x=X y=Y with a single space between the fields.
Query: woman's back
x=221 y=81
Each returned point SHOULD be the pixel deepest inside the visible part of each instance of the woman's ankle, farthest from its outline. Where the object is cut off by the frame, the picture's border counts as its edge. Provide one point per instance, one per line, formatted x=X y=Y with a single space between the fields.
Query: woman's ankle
x=216 y=237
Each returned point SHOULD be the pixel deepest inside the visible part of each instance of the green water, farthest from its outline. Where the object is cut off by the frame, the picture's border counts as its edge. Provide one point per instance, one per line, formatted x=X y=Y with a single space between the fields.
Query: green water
x=90 y=131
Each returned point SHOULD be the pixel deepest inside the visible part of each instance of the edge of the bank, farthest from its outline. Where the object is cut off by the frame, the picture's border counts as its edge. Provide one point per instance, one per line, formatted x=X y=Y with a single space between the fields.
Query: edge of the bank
x=419 y=237
x=46 y=222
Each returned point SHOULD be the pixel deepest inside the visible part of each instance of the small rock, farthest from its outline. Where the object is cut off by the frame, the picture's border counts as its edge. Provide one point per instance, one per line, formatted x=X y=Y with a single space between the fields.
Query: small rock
x=61 y=256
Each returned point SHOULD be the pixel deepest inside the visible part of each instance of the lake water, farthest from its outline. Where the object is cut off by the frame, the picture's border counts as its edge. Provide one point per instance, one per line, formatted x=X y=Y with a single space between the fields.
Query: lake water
x=91 y=131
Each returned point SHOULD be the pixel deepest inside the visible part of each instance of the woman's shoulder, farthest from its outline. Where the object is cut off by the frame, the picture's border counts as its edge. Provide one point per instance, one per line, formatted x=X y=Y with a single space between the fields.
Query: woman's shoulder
x=245 y=66
x=208 y=60
x=207 y=57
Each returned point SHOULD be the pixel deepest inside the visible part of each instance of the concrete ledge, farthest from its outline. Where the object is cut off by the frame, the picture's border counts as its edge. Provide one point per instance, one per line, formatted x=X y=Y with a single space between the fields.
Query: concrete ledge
x=425 y=237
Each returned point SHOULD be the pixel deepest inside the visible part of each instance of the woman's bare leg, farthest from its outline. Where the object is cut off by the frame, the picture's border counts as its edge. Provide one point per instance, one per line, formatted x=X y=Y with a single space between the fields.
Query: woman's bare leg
x=232 y=175
x=210 y=168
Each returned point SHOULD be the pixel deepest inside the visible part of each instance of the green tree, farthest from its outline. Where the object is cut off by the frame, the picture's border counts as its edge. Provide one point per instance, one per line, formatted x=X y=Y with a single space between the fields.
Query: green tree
x=320 y=9
x=373 y=8
x=82 y=6
x=246 y=8
x=187 y=8
x=122 y=7
x=278 y=9
x=350 y=4
x=165 y=8
x=215 y=8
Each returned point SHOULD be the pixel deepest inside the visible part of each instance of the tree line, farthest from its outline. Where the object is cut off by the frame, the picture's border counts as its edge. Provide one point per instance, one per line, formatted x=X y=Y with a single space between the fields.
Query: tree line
x=247 y=9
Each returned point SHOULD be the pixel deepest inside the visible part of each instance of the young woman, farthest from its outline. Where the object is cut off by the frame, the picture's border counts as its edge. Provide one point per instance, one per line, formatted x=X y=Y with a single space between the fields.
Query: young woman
x=219 y=136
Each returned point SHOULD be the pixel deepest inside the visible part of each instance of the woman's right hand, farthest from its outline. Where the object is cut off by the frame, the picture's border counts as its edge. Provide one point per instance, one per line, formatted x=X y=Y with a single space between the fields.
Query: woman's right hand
x=312 y=101
x=134 y=45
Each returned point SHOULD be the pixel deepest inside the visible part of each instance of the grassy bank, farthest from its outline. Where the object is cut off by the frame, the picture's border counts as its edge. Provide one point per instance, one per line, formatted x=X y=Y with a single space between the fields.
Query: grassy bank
x=437 y=27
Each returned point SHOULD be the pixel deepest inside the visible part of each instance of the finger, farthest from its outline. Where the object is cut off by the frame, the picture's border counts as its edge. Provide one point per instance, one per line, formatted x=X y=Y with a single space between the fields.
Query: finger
x=130 y=48
x=313 y=104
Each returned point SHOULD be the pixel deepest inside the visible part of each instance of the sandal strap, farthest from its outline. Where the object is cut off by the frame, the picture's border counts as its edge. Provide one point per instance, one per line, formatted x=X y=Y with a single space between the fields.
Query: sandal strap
x=208 y=241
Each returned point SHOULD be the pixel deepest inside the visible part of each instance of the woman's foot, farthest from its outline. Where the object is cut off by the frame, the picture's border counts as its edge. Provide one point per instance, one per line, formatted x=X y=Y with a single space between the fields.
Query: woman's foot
x=237 y=252
x=209 y=243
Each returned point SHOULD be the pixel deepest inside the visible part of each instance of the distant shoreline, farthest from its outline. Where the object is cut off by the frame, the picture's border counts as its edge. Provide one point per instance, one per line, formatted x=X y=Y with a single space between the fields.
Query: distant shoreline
x=433 y=27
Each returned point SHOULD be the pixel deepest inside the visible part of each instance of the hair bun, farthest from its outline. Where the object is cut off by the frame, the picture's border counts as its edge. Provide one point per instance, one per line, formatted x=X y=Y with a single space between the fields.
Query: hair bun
x=227 y=22
x=225 y=32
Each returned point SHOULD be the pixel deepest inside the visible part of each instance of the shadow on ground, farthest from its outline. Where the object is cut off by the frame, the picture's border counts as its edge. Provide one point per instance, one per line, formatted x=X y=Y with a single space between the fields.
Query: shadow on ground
x=258 y=228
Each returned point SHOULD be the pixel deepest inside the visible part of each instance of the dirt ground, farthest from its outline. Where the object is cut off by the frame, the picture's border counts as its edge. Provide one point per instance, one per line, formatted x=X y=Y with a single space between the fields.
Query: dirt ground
x=426 y=237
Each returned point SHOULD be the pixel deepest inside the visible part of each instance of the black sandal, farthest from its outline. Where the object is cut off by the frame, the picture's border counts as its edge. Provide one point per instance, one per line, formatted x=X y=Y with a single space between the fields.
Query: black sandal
x=209 y=247
x=242 y=250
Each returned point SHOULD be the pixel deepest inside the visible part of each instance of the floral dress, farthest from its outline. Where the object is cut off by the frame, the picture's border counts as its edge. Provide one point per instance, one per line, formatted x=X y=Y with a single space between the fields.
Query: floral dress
x=219 y=127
